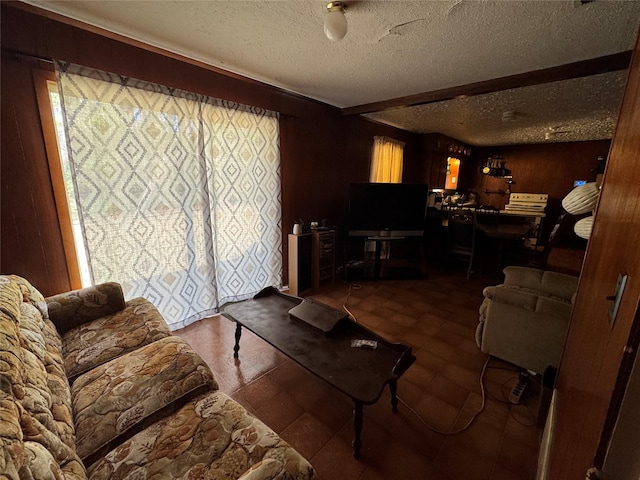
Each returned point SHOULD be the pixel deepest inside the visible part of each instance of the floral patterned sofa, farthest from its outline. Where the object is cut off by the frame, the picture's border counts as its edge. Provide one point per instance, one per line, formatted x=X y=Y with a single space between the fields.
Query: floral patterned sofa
x=95 y=387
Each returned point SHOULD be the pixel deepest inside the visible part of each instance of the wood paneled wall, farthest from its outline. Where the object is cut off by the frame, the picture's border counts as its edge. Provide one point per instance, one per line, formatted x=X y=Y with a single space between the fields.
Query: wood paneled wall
x=31 y=241
x=595 y=349
x=315 y=167
x=431 y=165
x=540 y=168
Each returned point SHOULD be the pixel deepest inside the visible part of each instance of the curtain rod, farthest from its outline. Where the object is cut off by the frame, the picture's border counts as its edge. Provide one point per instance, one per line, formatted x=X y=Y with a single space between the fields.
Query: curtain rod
x=18 y=54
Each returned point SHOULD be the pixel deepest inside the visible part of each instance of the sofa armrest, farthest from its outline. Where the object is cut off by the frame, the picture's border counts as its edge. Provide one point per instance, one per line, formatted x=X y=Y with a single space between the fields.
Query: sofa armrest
x=70 y=309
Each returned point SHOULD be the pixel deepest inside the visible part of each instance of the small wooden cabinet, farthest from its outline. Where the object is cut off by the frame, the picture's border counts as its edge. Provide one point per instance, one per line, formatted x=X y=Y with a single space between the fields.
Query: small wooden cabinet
x=324 y=257
x=312 y=260
x=300 y=263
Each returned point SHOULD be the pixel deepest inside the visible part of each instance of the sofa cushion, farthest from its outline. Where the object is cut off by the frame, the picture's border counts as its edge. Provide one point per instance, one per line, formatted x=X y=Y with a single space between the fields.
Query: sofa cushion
x=11 y=445
x=30 y=294
x=70 y=309
x=559 y=284
x=553 y=308
x=46 y=382
x=94 y=343
x=35 y=392
x=114 y=400
x=39 y=464
x=210 y=437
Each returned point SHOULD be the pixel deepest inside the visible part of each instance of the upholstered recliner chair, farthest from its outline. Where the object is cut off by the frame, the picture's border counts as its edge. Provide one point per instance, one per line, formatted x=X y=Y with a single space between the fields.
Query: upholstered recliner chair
x=524 y=321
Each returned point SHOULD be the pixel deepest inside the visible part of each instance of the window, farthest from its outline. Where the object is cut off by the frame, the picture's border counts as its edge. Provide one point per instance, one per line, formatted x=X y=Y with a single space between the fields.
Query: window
x=452 y=174
x=386 y=160
x=69 y=190
x=172 y=194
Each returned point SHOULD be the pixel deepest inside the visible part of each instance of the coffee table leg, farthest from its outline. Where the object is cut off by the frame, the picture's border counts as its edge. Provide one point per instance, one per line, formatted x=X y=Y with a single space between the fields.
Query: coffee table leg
x=393 y=386
x=357 y=427
x=236 y=348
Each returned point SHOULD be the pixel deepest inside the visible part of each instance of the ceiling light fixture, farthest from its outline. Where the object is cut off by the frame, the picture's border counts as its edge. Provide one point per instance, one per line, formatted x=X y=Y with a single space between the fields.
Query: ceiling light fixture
x=335 y=23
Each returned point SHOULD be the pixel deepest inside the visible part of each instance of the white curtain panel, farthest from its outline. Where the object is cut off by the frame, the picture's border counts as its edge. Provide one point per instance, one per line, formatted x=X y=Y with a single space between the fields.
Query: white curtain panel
x=178 y=194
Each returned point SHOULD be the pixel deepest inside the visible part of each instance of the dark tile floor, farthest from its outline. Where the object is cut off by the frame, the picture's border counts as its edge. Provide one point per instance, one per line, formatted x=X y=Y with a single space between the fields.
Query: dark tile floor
x=437 y=316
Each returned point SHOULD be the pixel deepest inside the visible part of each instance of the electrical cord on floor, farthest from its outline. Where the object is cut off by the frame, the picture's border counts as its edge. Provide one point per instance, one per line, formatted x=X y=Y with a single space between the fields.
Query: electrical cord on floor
x=524 y=403
x=352 y=286
x=430 y=427
x=471 y=420
x=504 y=400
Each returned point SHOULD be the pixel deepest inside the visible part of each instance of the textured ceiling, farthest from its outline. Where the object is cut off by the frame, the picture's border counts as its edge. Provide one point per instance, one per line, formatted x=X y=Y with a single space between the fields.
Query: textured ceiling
x=398 y=48
x=566 y=111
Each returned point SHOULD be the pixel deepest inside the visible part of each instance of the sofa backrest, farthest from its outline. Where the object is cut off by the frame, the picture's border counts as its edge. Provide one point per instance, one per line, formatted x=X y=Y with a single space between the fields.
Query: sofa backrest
x=34 y=390
x=553 y=284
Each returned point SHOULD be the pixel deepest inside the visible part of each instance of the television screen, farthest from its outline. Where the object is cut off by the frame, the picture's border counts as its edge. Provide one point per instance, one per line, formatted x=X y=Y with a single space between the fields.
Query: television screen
x=387 y=206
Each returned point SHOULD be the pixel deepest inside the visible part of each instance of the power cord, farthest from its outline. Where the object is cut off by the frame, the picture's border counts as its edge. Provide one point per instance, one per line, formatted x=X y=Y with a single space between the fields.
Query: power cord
x=525 y=403
x=471 y=420
x=352 y=286
x=504 y=400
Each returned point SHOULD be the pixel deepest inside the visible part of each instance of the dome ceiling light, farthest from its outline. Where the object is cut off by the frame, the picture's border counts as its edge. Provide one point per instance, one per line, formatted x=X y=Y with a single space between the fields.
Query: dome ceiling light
x=335 y=22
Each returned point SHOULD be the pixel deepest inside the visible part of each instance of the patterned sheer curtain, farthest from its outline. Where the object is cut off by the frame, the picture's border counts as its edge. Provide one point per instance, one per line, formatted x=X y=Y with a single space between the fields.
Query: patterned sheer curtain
x=386 y=160
x=178 y=194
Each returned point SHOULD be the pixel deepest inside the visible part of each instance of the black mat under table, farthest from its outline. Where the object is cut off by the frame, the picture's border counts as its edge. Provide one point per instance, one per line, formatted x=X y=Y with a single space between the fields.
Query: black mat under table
x=323 y=345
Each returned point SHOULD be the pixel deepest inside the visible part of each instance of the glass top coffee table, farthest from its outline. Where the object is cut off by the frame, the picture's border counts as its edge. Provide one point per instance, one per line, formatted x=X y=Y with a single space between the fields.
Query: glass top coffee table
x=319 y=338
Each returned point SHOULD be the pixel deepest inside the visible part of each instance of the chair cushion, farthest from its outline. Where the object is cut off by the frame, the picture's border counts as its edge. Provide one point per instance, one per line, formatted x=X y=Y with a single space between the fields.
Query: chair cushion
x=210 y=437
x=111 y=399
x=94 y=343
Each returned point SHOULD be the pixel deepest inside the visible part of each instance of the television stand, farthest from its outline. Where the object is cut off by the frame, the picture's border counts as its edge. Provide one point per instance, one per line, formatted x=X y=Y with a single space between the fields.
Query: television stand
x=405 y=247
x=378 y=240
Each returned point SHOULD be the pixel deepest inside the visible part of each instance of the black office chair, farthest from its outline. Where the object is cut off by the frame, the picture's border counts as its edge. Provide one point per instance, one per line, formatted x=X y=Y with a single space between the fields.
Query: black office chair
x=461 y=234
x=538 y=258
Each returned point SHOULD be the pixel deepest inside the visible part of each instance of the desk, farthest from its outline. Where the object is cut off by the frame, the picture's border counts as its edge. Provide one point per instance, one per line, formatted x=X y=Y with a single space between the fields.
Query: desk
x=360 y=373
x=503 y=233
x=537 y=222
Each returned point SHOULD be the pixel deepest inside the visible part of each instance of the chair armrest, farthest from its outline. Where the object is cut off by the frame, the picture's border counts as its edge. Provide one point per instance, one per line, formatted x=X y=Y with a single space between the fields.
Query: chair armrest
x=523 y=277
x=70 y=309
x=511 y=296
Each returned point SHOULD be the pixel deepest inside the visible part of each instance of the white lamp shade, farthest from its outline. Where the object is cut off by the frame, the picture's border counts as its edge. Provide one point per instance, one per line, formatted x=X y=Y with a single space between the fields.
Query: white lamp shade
x=583 y=227
x=335 y=25
x=581 y=199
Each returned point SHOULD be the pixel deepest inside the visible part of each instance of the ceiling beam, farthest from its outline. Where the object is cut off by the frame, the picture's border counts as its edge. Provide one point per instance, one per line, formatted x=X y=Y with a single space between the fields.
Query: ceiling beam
x=583 y=68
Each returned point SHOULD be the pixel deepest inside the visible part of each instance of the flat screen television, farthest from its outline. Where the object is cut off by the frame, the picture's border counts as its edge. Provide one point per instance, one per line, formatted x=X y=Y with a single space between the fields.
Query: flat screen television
x=397 y=207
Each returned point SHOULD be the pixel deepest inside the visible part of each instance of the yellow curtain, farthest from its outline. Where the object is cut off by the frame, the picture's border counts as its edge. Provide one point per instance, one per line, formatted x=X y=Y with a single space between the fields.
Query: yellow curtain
x=386 y=160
